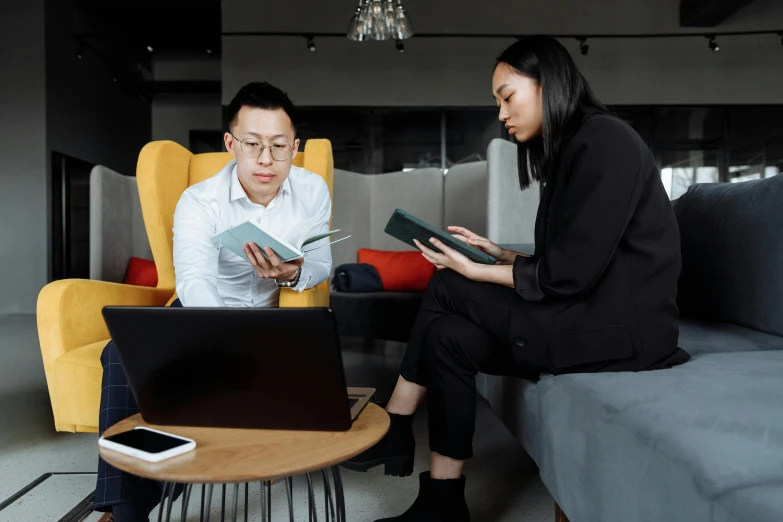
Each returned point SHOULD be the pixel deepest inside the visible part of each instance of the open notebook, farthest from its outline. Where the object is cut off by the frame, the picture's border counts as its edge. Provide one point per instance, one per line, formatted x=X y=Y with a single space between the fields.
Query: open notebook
x=287 y=244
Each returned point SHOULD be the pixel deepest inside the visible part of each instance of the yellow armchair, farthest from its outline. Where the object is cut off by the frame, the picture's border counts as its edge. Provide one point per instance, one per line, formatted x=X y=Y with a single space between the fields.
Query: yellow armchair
x=71 y=329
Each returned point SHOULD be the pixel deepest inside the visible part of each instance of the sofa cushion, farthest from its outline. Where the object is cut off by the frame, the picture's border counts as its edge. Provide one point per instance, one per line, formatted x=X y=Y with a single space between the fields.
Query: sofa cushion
x=141 y=272
x=662 y=445
x=78 y=375
x=399 y=271
x=757 y=503
x=732 y=253
x=697 y=336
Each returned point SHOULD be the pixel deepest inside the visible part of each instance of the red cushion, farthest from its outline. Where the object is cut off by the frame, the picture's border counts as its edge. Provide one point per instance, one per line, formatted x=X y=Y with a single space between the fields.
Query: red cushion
x=399 y=271
x=141 y=272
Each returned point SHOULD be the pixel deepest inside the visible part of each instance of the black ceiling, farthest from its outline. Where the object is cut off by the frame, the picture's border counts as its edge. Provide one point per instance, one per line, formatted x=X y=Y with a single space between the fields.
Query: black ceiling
x=180 y=26
x=708 y=13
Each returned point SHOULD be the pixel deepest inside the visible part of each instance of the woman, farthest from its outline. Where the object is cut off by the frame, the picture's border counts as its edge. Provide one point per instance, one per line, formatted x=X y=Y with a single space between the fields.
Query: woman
x=598 y=295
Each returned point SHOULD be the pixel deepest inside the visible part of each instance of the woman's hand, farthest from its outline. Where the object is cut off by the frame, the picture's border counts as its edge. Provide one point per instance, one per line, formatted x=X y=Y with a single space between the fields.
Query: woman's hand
x=449 y=258
x=504 y=257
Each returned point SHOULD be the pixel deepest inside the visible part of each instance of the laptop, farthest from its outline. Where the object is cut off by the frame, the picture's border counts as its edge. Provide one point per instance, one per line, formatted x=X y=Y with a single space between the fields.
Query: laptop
x=267 y=368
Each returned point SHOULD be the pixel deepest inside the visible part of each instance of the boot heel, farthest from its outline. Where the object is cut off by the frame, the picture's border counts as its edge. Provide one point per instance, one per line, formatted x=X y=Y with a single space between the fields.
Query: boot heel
x=399 y=466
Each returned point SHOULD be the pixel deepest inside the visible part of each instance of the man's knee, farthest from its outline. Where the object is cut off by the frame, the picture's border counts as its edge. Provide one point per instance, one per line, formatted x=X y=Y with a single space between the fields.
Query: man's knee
x=109 y=354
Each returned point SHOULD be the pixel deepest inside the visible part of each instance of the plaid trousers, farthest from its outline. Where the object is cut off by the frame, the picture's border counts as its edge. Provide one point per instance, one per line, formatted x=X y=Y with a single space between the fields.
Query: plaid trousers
x=117 y=403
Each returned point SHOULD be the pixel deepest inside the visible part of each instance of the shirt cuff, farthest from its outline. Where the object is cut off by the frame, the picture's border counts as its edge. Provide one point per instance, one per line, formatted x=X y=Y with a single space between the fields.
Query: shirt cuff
x=526 y=278
x=304 y=279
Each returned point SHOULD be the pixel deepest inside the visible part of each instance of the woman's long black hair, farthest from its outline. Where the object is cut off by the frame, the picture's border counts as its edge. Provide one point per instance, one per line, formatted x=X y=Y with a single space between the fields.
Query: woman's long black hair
x=566 y=98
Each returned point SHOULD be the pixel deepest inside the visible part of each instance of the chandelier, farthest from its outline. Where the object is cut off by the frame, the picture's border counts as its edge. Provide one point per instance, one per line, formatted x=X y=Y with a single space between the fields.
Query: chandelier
x=379 y=20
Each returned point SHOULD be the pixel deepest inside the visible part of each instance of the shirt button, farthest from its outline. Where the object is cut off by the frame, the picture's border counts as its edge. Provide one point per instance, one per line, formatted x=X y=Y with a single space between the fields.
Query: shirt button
x=520 y=341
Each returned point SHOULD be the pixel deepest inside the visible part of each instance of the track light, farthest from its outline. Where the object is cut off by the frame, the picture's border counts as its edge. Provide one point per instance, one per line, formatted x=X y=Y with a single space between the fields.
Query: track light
x=583 y=46
x=150 y=49
x=311 y=44
x=209 y=51
x=399 y=46
x=714 y=47
x=80 y=52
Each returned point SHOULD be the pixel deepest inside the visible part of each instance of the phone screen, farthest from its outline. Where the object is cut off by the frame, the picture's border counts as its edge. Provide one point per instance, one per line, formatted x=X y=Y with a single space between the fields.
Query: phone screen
x=148 y=441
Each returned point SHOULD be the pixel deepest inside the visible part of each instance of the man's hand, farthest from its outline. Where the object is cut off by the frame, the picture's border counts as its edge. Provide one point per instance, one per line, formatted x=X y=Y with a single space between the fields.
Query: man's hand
x=273 y=268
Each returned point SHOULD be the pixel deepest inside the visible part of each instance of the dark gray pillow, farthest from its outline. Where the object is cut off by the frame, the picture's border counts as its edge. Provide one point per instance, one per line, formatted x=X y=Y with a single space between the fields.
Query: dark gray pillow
x=732 y=253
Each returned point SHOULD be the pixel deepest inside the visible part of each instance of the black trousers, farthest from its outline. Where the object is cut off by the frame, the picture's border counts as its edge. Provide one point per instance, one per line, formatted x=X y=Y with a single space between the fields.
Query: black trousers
x=117 y=403
x=462 y=328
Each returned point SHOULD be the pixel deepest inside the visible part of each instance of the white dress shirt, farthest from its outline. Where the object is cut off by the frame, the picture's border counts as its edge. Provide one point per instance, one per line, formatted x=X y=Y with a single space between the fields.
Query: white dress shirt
x=208 y=275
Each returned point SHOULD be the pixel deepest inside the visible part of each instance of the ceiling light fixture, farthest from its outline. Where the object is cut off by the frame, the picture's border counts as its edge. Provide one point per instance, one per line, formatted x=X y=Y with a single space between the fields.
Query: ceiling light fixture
x=379 y=20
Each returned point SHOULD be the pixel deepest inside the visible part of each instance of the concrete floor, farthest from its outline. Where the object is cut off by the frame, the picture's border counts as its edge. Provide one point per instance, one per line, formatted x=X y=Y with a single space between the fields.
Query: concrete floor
x=503 y=483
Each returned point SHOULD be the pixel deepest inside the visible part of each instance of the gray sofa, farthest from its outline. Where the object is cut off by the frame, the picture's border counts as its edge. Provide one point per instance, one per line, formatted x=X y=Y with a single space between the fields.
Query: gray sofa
x=363 y=204
x=699 y=442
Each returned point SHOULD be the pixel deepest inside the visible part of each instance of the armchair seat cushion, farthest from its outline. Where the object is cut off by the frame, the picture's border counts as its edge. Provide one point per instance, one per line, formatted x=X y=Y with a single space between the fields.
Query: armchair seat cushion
x=78 y=374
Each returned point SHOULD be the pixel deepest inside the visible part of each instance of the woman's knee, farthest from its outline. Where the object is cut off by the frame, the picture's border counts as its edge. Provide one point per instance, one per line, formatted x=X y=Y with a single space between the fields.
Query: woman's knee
x=444 y=338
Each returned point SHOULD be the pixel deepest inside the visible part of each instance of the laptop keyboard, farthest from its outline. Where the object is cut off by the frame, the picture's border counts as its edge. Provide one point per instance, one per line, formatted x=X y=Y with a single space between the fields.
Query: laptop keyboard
x=352 y=402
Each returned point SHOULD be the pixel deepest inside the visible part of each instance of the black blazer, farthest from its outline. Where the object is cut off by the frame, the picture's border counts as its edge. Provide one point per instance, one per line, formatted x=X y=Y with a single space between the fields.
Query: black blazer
x=599 y=294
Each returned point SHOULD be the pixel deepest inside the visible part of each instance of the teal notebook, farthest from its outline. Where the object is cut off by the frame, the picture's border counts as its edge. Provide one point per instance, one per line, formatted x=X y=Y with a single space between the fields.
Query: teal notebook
x=234 y=239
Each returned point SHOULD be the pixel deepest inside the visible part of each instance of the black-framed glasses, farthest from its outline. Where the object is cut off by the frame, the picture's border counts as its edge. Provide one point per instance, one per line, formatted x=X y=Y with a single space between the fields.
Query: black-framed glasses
x=253 y=148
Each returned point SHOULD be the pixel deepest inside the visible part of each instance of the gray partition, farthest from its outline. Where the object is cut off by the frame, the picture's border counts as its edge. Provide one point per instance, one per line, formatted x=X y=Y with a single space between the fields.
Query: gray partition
x=511 y=212
x=116 y=225
x=465 y=196
x=351 y=213
x=363 y=204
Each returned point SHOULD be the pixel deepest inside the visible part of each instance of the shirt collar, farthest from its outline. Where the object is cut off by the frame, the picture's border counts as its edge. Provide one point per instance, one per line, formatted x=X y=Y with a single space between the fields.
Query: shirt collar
x=238 y=192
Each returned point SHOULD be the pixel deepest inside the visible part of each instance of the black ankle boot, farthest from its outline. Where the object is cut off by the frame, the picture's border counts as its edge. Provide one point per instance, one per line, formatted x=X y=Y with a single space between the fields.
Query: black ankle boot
x=395 y=450
x=438 y=501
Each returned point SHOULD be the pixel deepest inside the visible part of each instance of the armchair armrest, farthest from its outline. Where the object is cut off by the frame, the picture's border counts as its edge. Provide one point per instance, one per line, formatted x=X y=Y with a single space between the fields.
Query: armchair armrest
x=69 y=317
x=317 y=296
x=69 y=312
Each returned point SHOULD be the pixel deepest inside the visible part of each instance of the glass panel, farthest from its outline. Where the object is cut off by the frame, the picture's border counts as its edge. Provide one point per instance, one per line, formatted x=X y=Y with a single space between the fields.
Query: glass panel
x=347 y=129
x=681 y=169
x=468 y=133
x=640 y=118
x=406 y=139
x=705 y=124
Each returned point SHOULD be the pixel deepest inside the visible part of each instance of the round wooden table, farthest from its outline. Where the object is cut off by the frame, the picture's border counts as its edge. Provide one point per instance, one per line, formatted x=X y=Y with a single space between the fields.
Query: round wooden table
x=235 y=456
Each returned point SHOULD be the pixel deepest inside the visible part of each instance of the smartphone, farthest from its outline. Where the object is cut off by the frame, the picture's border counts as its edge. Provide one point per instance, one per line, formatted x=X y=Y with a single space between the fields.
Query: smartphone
x=148 y=444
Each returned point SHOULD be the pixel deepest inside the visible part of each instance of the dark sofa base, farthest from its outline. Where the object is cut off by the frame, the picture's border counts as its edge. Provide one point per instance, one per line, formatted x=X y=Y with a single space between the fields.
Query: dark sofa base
x=387 y=316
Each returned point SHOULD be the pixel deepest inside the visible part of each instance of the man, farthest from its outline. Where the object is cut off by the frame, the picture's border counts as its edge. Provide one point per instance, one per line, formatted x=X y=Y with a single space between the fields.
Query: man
x=259 y=185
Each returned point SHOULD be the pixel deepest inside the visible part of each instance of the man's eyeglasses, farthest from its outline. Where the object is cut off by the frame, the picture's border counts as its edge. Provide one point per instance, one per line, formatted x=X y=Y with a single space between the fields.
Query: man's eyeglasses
x=253 y=148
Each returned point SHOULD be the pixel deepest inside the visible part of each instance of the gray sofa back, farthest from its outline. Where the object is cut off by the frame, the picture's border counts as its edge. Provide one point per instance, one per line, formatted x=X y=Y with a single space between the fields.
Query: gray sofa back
x=116 y=225
x=465 y=197
x=511 y=212
x=363 y=204
x=732 y=253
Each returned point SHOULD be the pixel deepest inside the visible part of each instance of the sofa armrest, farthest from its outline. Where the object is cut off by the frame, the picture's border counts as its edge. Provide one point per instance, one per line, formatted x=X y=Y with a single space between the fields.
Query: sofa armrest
x=315 y=297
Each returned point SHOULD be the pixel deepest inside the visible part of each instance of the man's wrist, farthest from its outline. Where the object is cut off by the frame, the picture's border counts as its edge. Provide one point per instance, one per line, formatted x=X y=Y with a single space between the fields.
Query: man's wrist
x=291 y=281
x=289 y=278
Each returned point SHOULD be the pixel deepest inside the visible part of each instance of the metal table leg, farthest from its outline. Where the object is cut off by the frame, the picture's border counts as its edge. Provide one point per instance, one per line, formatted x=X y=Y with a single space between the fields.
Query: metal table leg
x=334 y=499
